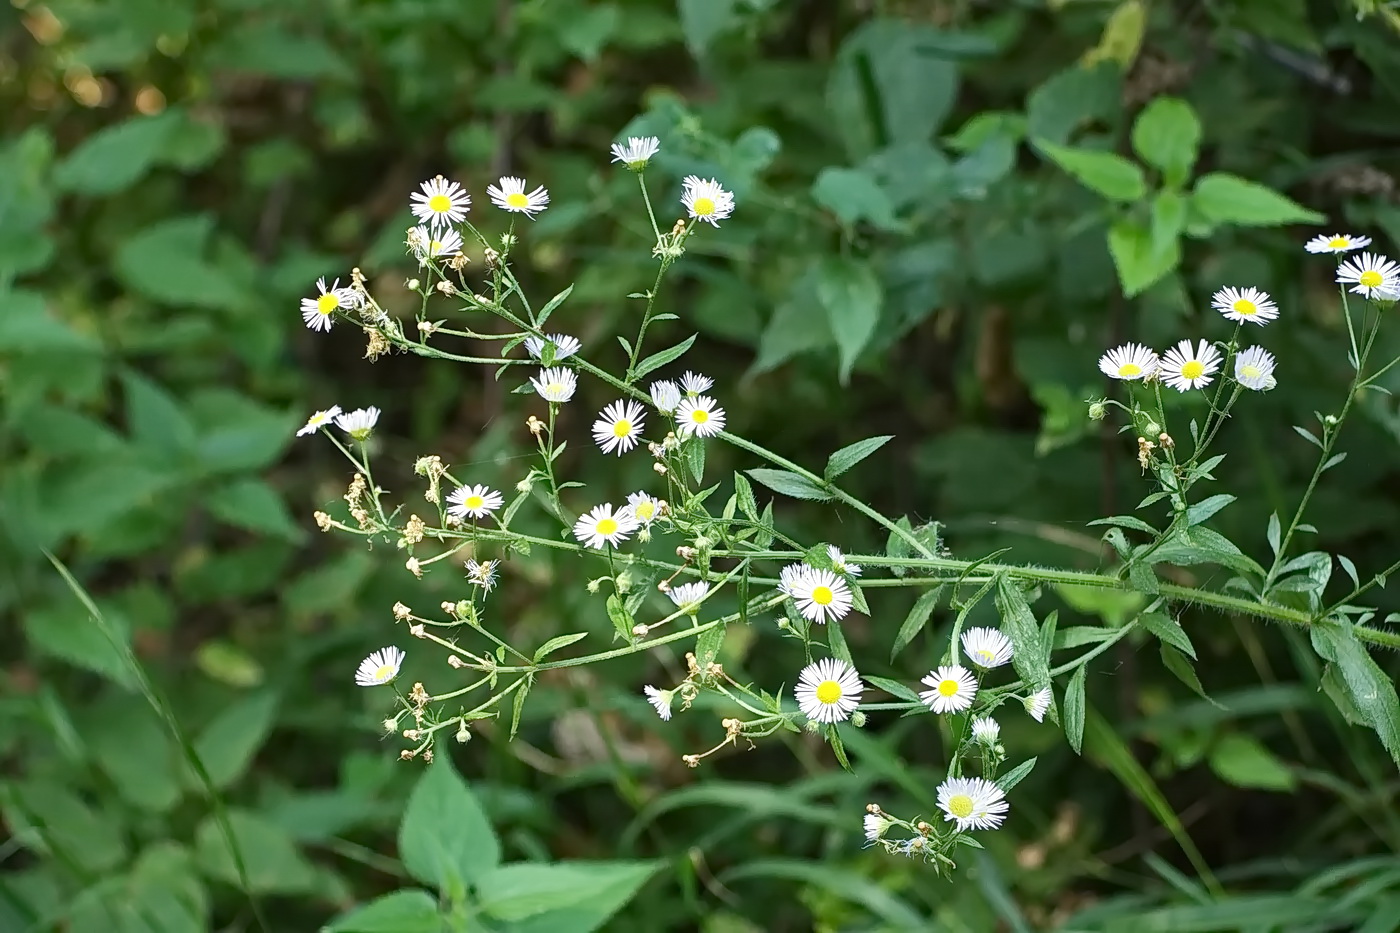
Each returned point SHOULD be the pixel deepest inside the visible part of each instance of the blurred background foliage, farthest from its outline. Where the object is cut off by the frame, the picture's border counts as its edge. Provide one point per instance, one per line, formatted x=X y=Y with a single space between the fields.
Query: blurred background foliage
x=904 y=260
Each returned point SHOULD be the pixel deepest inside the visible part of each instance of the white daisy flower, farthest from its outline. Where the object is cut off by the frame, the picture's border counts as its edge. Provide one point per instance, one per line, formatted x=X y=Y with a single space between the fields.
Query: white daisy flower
x=952 y=689
x=695 y=383
x=660 y=701
x=564 y=346
x=555 y=384
x=379 y=668
x=706 y=200
x=604 y=526
x=1245 y=304
x=1372 y=275
x=986 y=730
x=1254 y=369
x=838 y=560
x=359 y=424
x=820 y=595
x=1336 y=243
x=637 y=153
x=688 y=594
x=482 y=573
x=828 y=690
x=972 y=803
x=986 y=647
x=319 y=312
x=666 y=395
x=699 y=417
x=1184 y=370
x=440 y=203
x=429 y=244
x=644 y=508
x=789 y=576
x=319 y=420
x=876 y=825
x=1037 y=703
x=473 y=501
x=618 y=427
x=511 y=196
x=1130 y=361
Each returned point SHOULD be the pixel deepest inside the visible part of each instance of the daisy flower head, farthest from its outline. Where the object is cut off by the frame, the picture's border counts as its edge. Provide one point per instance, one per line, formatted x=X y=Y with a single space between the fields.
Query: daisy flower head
x=828 y=690
x=564 y=346
x=1245 y=304
x=789 y=576
x=952 y=689
x=1038 y=703
x=482 y=573
x=1184 y=369
x=379 y=668
x=319 y=312
x=618 y=427
x=706 y=200
x=986 y=647
x=435 y=244
x=511 y=196
x=637 y=153
x=660 y=701
x=1254 y=369
x=1130 y=361
x=695 y=383
x=1372 y=275
x=555 y=384
x=440 y=203
x=359 y=424
x=986 y=730
x=838 y=561
x=602 y=526
x=699 y=417
x=644 y=508
x=688 y=594
x=1336 y=243
x=820 y=595
x=972 y=803
x=665 y=395
x=319 y=420
x=473 y=501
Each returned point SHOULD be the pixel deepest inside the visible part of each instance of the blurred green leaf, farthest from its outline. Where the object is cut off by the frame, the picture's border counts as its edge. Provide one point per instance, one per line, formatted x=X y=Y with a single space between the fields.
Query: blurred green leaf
x=852 y=295
x=445 y=839
x=275 y=866
x=168 y=263
x=1111 y=175
x=256 y=506
x=407 y=911
x=1242 y=761
x=47 y=817
x=523 y=890
x=1229 y=199
x=227 y=745
x=853 y=195
x=1139 y=261
x=1167 y=135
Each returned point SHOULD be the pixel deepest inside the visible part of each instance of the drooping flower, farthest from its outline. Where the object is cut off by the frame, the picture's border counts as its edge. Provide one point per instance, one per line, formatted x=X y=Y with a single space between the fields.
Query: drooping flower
x=1254 y=369
x=876 y=825
x=688 y=594
x=986 y=730
x=986 y=647
x=618 y=427
x=1184 y=369
x=482 y=573
x=379 y=668
x=820 y=595
x=440 y=203
x=1038 y=703
x=660 y=701
x=511 y=196
x=972 y=803
x=699 y=417
x=706 y=200
x=1372 y=275
x=319 y=420
x=1245 y=304
x=951 y=689
x=319 y=312
x=1336 y=243
x=555 y=384
x=359 y=424
x=839 y=562
x=666 y=395
x=828 y=690
x=695 y=383
x=473 y=501
x=602 y=526
x=637 y=153
x=644 y=508
x=1130 y=361
x=564 y=346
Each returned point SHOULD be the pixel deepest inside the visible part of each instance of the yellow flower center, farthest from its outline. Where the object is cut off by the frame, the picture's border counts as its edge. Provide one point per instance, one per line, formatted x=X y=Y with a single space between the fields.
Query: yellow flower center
x=960 y=805
x=606 y=526
x=1130 y=370
x=823 y=596
x=327 y=303
x=475 y=502
x=439 y=204
x=1371 y=278
x=1245 y=306
x=622 y=427
x=1193 y=370
x=704 y=206
x=1338 y=242
x=828 y=692
x=555 y=388
x=1250 y=371
x=517 y=200
x=699 y=416
x=985 y=656
x=949 y=687
x=434 y=247
x=644 y=510
x=384 y=672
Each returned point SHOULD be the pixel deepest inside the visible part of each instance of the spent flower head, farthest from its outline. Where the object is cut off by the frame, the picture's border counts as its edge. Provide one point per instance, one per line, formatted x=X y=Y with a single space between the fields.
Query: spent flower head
x=666 y=395
x=1038 y=703
x=986 y=730
x=660 y=701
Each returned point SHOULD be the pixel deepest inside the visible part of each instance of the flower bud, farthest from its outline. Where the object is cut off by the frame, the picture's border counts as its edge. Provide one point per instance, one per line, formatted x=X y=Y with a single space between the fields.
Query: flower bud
x=858 y=719
x=1097 y=411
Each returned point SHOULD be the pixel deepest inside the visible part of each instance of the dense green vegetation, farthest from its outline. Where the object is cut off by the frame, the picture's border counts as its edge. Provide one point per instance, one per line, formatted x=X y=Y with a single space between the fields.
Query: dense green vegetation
x=946 y=211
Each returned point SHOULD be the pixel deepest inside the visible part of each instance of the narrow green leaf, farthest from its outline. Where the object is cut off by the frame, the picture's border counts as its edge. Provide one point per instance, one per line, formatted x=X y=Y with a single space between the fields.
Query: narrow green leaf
x=1371 y=691
x=1029 y=657
x=1204 y=509
x=557 y=642
x=1240 y=760
x=893 y=687
x=1184 y=671
x=1074 y=710
x=661 y=358
x=622 y=620
x=1111 y=175
x=852 y=295
x=915 y=621
x=1016 y=775
x=1229 y=199
x=789 y=483
x=552 y=304
x=1275 y=533
x=851 y=454
x=1167 y=630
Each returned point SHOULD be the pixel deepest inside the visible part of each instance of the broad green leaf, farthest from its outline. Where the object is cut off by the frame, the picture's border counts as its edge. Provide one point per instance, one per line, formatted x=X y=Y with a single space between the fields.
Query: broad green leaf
x=127 y=742
x=851 y=454
x=916 y=620
x=525 y=889
x=409 y=911
x=1074 y=709
x=854 y=195
x=118 y=155
x=1240 y=760
x=1113 y=606
x=253 y=504
x=1071 y=98
x=1167 y=630
x=622 y=620
x=703 y=21
x=1030 y=659
x=274 y=864
x=892 y=687
x=227 y=745
x=27 y=325
x=266 y=47
x=1372 y=692
x=1139 y=263
x=49 y=819
x=852 y=295
x=1122 y=36
x=1167 y=135
x=157 y=421
x=1229 y=199
x=445 y=839
x=789 y=483
x=1111 y=175
x=557 y=642
x=66 y=632
x=661 y=358
x=708 y=644
x=1169 y=210
x=167 y=263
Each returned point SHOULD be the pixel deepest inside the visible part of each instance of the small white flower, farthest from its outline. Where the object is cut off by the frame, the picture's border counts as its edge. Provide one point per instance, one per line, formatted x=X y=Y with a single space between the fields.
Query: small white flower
x=952 y=689
x=319 y=420
x=1336 y=243
x=564 y=346
x=660 y=701
x=688 y=594
x=440 y=203
x=482 y=573
x=706 y=200
x=319 y=312
x=1254 y=369
x=1372 y=275
x=828 y=690
x=876 y=825
x=972 y=803
x=986 y=730
x=604 y=526
x=1037 y=703
x=473 y=501
x=1183 y=369
x=838 y=560
x=1245 y=304
x=820 y=595
x=618 y=427
x=429 y=244
x=379 y=668
x=695 y=383
x=666 y=395
x=986 y=647
x=644 y=507
x=699 y=417
x=1130 y=361
x=789 y=577
x=637 y=153
x=555 y=384
x=511 y=196
x=359 y=424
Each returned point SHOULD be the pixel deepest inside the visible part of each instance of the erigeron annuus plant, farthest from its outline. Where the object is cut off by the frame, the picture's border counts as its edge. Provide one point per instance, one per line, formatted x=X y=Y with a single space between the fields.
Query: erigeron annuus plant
x=690 y=541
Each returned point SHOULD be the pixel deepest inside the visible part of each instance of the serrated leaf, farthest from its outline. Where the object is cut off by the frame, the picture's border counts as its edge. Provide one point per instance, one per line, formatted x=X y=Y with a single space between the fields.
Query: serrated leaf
x=851 y=454
x=445 y=839
x=789 y=483
x=1074 y=710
